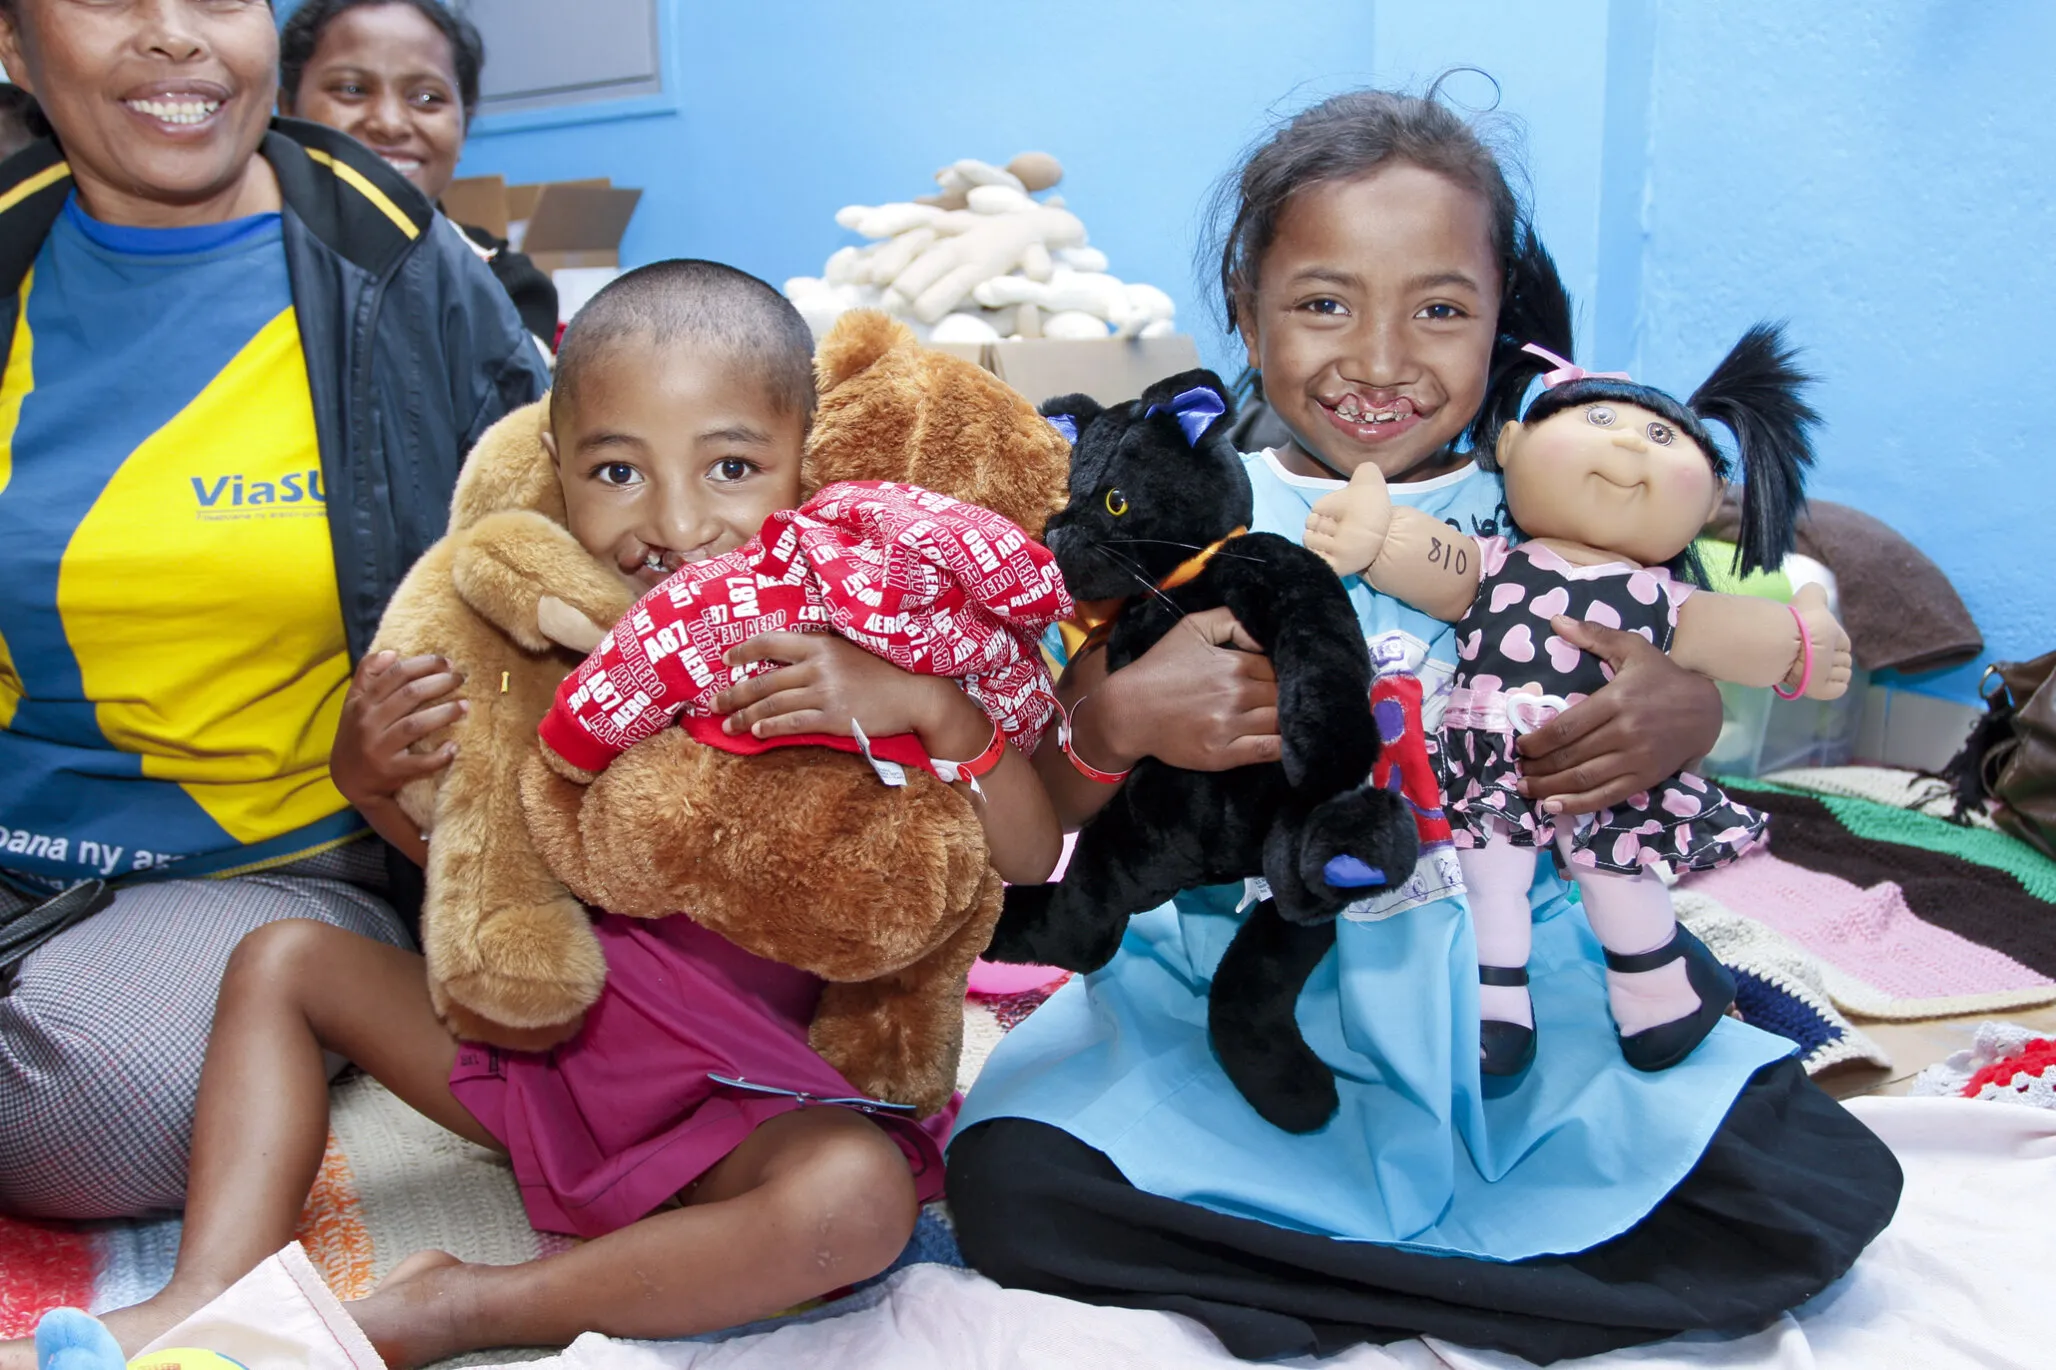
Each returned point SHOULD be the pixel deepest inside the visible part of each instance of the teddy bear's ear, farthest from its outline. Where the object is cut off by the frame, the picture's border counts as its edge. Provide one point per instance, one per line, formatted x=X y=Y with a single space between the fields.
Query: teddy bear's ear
x=859 y=338
x=1070 y=414
x=1196 y=398
x=509 y=468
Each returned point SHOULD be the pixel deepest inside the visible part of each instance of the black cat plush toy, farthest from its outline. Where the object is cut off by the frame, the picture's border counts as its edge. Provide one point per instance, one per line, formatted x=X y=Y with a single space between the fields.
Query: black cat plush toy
x=1159 y=505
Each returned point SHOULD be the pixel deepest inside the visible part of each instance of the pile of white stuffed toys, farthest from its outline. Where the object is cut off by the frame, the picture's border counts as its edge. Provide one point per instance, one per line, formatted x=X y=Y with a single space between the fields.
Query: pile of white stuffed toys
x=979 y=261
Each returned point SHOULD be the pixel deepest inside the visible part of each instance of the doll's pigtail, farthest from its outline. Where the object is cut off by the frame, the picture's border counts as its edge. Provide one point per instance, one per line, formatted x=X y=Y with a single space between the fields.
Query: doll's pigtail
x=1535 y=309
x=1757 y=392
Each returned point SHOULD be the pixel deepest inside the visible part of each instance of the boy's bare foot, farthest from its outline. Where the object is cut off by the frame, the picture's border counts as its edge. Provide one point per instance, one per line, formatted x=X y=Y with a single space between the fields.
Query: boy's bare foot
x=417 y=1313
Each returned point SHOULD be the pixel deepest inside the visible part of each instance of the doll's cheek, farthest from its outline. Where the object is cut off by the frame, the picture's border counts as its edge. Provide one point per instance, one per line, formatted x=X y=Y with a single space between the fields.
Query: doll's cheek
x=1693 y=488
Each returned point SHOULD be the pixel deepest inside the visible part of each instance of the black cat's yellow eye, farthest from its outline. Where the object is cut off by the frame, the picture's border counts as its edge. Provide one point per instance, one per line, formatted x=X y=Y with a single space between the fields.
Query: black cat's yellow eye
x=1117 y=503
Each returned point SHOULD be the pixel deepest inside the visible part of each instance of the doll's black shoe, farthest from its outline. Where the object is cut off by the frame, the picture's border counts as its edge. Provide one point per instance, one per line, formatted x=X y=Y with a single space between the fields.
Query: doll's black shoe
x=1666 y=1044
x=1504 y=1049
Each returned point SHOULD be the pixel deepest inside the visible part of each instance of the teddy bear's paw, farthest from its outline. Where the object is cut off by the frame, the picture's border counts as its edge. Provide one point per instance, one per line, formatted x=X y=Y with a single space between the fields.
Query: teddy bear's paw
x=531 y=966
x=901 y=1047
x=467 y=1026
x=577 y=775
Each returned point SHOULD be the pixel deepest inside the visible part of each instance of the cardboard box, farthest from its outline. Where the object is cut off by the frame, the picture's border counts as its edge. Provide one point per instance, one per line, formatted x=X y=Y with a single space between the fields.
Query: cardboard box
x=480 y=201
x=1110 y=370
x=523 y=200
x=571 y=229
x=576 y=225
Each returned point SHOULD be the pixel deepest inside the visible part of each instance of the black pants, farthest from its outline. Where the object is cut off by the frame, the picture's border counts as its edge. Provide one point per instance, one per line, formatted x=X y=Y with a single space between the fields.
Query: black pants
x=1790 y=1190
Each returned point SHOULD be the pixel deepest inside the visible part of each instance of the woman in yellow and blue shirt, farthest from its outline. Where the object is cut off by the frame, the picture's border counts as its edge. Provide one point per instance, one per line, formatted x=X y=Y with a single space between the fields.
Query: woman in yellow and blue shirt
x=241 y=374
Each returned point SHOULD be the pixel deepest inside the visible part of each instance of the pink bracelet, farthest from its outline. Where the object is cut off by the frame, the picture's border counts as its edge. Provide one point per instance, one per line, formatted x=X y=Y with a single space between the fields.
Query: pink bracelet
x=1805 y=656
x=1079 y=763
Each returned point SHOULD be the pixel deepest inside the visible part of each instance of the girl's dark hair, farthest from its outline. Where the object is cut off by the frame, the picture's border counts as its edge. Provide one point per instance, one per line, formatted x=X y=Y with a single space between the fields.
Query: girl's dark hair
x=1348 y=135
x=1757 y=393
x=302 y=35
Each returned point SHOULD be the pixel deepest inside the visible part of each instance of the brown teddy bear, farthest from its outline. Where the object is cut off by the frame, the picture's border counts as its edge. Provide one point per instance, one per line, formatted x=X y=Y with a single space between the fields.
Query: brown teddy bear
x=507 y=945
x=800 y=855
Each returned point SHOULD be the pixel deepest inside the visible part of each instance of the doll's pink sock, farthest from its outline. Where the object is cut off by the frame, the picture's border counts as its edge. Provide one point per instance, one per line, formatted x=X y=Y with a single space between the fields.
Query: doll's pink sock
x=1632 y=914
x=1496 y=877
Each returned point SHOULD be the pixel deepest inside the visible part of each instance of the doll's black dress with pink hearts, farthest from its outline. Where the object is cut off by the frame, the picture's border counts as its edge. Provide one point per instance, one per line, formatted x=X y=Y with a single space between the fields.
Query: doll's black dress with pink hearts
x=1505 y=648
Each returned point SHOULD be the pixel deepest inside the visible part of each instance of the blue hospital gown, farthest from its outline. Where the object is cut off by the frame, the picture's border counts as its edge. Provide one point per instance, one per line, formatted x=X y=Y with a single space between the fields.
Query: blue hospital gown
x=1417 y=1156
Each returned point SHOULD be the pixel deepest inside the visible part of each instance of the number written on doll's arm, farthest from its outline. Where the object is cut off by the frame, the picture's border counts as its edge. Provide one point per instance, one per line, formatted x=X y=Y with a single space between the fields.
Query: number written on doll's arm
x=1402 y=552
x=1756 y=641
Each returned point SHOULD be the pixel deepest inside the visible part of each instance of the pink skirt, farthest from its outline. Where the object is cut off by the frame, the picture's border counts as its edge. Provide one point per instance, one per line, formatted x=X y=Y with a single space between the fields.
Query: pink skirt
x=692 y=1046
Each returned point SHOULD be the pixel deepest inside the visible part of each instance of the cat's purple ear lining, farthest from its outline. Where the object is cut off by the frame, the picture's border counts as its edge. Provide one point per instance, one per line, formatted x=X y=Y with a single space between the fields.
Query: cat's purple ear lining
x=1195 y=409
x=1066 y=425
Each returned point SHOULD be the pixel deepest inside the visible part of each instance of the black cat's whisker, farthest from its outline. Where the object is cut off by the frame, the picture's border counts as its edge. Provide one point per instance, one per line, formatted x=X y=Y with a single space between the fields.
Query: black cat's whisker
x=1183 y=546
x=1139 y=576
x=1152 y=542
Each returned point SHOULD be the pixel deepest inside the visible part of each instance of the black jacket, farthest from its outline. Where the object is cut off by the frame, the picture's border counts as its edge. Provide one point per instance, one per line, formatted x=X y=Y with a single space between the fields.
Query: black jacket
x=413 y=350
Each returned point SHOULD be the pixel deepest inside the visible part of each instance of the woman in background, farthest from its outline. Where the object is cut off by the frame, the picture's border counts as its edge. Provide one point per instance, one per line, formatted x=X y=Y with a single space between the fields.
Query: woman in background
x=401 y=77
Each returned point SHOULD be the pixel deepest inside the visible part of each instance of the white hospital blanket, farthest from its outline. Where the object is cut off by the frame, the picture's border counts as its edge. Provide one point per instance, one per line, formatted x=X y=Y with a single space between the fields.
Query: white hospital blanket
x=1959 y=1279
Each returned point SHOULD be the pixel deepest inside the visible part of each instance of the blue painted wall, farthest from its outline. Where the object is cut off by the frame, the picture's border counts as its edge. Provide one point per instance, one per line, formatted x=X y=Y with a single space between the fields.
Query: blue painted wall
x=1878 y=173
x=790 y=111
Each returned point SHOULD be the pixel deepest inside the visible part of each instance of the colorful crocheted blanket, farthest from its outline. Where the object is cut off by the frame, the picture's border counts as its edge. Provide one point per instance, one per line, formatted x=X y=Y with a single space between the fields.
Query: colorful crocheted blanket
x=1909 y=915
x=2005 y=1063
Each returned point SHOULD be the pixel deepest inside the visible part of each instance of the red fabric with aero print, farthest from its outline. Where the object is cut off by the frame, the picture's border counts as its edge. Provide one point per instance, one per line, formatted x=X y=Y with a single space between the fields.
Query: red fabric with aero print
x=928 y=583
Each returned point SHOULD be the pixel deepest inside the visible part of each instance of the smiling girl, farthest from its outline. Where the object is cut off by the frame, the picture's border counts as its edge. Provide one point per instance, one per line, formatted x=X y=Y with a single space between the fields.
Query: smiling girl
x=1384 y=278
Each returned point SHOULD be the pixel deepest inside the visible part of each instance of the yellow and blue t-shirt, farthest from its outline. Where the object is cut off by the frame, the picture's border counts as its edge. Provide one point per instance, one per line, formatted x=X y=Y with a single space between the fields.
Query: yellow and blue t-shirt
x=172 y=659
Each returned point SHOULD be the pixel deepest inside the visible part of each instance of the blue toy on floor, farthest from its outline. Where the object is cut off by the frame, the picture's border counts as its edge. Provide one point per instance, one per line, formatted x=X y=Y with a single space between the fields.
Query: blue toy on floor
x=67 y=1339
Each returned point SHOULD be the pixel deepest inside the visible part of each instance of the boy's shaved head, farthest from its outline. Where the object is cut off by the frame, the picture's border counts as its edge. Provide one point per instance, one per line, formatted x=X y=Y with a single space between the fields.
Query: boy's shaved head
x=692 y=301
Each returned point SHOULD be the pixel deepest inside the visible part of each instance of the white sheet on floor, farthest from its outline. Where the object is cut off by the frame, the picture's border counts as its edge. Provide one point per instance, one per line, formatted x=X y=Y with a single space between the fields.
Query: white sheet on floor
x=1959 y=1279
x=280 y=1316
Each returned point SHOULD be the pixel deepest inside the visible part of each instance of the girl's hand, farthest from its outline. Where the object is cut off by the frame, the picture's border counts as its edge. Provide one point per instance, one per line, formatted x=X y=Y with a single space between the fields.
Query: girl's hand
x=827 y=682
x=393 y=703
x=1204 y=698
x=1654 y=719
x=1833 y=663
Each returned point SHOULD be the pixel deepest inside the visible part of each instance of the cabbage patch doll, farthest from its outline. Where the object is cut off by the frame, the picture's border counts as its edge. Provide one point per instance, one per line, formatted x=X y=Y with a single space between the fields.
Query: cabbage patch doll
x=1610 y=481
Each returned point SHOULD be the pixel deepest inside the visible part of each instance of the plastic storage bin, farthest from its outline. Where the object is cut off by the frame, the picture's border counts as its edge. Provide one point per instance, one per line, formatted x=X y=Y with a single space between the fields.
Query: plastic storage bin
x=1760 y=733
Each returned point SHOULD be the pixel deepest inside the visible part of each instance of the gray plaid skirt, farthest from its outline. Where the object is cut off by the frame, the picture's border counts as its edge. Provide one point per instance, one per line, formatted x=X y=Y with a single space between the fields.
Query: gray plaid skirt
x=104 y=1030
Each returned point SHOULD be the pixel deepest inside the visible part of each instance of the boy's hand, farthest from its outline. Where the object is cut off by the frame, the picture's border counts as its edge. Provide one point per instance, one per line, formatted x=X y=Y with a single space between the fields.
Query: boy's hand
x=391 y=704
x=1833 y=664
x=827 y=681
x=1346 y=528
